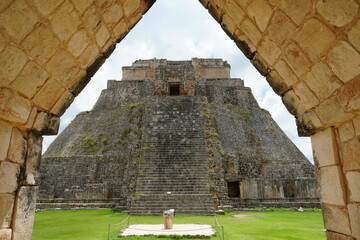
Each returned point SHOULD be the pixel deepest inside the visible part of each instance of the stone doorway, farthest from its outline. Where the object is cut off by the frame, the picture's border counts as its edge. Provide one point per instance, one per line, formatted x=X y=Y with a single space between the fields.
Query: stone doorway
x=233 y=189
x=174 y=89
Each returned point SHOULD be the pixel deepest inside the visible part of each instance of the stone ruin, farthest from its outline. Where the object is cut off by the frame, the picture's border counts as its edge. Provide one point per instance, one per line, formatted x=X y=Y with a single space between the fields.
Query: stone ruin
x=308 y=51
x=179 y=135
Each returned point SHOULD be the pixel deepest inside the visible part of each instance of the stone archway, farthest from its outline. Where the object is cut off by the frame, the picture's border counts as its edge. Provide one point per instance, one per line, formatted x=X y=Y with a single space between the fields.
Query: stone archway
x=308 y=51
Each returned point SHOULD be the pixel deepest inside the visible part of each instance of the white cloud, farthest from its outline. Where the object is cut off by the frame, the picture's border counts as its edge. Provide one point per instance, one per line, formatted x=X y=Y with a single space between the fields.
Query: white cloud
x=180 y=30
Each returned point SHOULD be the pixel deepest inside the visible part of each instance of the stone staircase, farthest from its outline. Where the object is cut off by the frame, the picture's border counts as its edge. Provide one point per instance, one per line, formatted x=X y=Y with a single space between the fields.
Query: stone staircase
x=173 y=173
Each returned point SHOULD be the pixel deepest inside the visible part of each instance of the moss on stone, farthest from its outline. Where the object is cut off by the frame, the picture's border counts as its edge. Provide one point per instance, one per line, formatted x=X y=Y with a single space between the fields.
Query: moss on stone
x=149 y=147
x=104 y=150
x=131 y=106
x=214 y=134
x=125 y=133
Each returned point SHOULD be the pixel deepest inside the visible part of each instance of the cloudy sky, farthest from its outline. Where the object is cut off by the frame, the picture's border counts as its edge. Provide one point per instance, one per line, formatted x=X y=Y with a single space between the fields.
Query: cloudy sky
x=181 y=30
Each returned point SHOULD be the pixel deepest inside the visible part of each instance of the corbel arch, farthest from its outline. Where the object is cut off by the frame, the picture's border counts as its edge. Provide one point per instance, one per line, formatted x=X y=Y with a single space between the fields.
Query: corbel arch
x=308 y=51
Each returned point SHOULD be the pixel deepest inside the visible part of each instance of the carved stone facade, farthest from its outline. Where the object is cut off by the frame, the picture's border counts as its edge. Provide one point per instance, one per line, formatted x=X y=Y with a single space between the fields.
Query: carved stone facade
x=183 y=127
x=308 y=51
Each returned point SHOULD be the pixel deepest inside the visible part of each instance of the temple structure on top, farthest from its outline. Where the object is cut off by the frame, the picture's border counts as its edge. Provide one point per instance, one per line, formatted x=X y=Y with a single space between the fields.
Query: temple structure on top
x=179 y=135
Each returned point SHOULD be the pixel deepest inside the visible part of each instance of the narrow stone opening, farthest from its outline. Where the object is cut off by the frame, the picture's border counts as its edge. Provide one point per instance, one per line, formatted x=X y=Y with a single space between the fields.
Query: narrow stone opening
x=289 y=189
x=233 y=190
x=174 y=90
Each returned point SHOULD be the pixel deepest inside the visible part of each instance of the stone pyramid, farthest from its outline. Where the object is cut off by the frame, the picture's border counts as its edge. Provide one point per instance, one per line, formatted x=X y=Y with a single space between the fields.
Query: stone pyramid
x=179 y=135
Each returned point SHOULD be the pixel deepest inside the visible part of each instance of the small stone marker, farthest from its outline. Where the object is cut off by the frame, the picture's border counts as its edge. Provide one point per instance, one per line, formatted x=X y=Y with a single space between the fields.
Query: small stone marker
x=169 y=219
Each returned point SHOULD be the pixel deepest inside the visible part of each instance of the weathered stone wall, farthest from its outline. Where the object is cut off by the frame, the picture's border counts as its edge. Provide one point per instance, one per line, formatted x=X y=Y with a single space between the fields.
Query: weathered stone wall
x=187 y=145
x=174 y=158
x=308 y=51
x=301 y=188
x=289 y=193
x=98 y=147
x=247 y=144
x=204 y=68
x=59 y=180
x=186 y=73
x=175 y=72
x=121 y=93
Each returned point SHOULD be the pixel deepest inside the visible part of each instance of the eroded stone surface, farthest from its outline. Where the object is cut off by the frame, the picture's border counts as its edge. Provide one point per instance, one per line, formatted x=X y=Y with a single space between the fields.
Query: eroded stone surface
x=14 y=107
x=293 y=103
x=322 y=80
x=269 y=50
x=312 y=32
x=332 y=185
x=41 y=44
x=235 y=12
x=325 y=148
x=82 y=5
x=307 y=97
x=330 y=235
x=353 y=179
x=338 y=13
x=31 y=78
x=24 y=211
x=62 y=66
x=351 y=154
x=87 y=57
x=336 y=219
x=102 y=36
x=344 y=60
x=308 y=123
x=64 y=102
x=331 y=112
x=6 y=210
x=12 y=60
x=46 y=123
x=9 y=173
x=33 y=158
x=5 y=130
x=18 y=27
x=285 y=72
x=78 y=42
x=356 y=121
x=261 y=12
x=296 y=59
x=49 y=93
x=130 y=6
x=65 y=21
x=47 y=6
x=113 y=14
x=354 y=35
x=354 y=214
x=249 y=28
x=346 y=131
x=276 y=82
x=18 y=147
x=280 y=28
x=5 y=234
x=296 y=10
x=349 y=97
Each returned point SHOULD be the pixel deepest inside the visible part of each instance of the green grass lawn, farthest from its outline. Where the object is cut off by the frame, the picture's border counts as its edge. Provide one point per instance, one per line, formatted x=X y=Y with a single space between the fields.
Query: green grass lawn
x=93 y=225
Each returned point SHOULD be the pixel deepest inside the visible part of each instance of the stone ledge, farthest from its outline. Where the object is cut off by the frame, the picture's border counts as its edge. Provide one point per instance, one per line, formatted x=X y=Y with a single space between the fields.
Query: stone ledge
x=46 y=123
